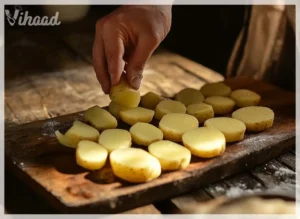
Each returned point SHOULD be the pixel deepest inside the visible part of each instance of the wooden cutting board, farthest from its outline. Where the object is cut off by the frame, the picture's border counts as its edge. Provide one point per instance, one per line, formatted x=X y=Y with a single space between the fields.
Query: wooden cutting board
x=34 y=155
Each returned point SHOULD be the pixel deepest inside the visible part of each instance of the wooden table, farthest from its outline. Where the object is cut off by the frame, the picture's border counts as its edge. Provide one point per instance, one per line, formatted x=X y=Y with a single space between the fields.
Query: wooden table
x=50 y=74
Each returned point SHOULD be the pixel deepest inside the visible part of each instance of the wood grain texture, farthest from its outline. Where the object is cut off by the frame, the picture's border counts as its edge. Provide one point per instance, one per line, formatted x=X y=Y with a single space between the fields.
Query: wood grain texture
x=33 y=153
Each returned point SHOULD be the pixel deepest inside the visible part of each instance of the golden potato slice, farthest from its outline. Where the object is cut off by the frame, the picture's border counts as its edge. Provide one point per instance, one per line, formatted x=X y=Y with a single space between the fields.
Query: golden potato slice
x=100 y=118
x=172 y=156
x=244 y=97
x=144 y=133
x=150 y=100
x=215 y=89
x=174 y=125
x=113 y=139
x=205 y=142
x=189 y=96
x=124 y=95
x=256 y=118
x=65 y=141
x=201 y=111
x=169 y=106
x=81 y=131
x=221 y=105
x=138 y=114
x=91 y=155
x=115 y=109
x=134 y=165
x=233 y=129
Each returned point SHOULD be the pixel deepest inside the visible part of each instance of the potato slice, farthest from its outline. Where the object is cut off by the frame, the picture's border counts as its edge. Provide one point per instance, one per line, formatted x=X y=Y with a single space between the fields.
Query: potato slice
x=135 y=115
x=189 y=96
x=135 y=165
x=215 y=89
x=256 y=118
x=144 y=133
x=174 y=125
x=124 y=95
x=150 y=100
x=91 y=155
x=100 y=118
x=201 y=111
x=171 y=155
x=113 y=139
x=63 y=140
x=81 y=131
x=169 y=106
x=244 y=97
x=233 y=129
x=221 y=105
x=205 y=142
x=115 y=109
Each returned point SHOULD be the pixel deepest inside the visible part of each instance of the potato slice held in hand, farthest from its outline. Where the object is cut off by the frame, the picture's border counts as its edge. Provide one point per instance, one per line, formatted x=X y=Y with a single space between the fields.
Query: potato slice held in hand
x=150 y=100
x=124 y=95
x=174 y=125
x=115 y=109
x=244 y=97
x=171 y=155
x=189 y=96
x=201 y=111
x=221 y=105
x=215 y=89
x=169 y=106
x=256 y=118
x=113 y=139
x=135 y=115
x=91 y=155
x=205 y=142
x=100 y=118
x=144 y=133
x=63 y=140
x=233 y=129
x=135 y=165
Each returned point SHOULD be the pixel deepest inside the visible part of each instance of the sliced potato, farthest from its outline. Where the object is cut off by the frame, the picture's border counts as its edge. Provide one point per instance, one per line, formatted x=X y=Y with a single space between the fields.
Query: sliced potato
x=81 y=131
x=169 y=106
x=91 y=155
x=215 y=89
x=63 y=140
x=233 y=129
x=150 y=100
x=174 y=125
x=144 y=133
x=115 y=109
x=244 y=97
x=189 y=96
x=221 y=105
x=201 y=111
x=205 y=142
x=256 y=118
x=113 y=139
x=172 y=156
x=124 y=95
x=100 y=118
x=134 y=165
x=135 y=115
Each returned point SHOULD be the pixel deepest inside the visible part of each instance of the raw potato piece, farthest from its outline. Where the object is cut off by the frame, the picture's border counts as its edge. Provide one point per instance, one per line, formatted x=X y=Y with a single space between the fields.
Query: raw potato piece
x=205 y=142
x=221 y=105
x=100 y=118
x=215 y=89
x=113 y=139
x=91 y=155
x=145 y=133
x=62 y=139
x=135 y=115
x=81 y=131
x=174 y=125
x=201 y=111
x=169 y=106
x=244 y=97
x=233 y=129
x=171 y=156
x=189 y=96
x=256 y=118
x=150 y=100
x=124 y=95
x=115 y=109
x=134 y=165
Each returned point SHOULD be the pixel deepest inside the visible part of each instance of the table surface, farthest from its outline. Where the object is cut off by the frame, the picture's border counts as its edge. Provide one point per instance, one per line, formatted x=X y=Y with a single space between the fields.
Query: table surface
x=48 y=74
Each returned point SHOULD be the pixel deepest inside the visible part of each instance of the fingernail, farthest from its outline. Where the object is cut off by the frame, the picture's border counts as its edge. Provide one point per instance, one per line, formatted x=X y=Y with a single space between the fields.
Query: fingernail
x=136 y=82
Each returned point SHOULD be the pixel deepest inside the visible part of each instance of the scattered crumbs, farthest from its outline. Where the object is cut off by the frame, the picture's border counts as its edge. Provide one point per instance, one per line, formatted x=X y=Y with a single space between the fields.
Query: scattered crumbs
x=237 y=191
x=48 y=129
x=14 y=162
x=219 y=189
x=284 y=172
x=21 y=164
x=112 y=204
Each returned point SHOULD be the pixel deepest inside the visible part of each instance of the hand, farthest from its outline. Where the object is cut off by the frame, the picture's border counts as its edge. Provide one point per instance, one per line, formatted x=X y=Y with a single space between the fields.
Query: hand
x=128 y=35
